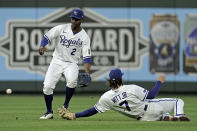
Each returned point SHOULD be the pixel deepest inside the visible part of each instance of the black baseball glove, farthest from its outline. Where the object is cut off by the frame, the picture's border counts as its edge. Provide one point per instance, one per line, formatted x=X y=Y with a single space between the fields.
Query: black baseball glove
x=84 y=79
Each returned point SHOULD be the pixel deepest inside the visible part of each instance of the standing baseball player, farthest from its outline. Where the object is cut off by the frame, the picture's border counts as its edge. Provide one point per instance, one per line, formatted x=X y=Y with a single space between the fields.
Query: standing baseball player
x=71 y=41
x=133 y=101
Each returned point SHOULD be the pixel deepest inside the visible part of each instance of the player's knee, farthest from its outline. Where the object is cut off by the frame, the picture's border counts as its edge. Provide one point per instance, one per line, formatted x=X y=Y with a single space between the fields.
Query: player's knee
x=47 y=90
x=72 y=84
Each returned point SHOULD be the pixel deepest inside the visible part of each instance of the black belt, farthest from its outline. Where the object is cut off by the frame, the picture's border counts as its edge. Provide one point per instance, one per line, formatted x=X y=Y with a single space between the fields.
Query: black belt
x=145 y=109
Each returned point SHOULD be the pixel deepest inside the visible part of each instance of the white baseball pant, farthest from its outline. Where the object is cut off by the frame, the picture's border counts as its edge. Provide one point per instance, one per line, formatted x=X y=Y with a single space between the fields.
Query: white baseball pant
x=55 y=71
x=159 y=107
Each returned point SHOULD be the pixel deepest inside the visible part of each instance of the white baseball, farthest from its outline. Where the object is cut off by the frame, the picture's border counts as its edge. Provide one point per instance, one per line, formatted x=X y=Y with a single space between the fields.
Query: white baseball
x=9 y=91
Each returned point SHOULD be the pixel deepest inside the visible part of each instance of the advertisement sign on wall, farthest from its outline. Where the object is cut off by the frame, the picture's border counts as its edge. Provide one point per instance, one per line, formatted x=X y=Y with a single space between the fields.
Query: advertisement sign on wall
x=142 y=42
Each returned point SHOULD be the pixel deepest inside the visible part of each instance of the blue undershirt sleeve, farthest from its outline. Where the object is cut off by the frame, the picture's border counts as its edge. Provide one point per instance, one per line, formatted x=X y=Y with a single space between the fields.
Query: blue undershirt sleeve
x=44 y=42
x=89 y=112
x=154 y=91
x=87 y=60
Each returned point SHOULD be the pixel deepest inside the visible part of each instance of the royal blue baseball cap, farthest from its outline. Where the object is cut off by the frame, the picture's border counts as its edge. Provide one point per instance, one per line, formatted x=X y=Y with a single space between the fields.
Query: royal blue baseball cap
x=115 y=74
x=77 y=13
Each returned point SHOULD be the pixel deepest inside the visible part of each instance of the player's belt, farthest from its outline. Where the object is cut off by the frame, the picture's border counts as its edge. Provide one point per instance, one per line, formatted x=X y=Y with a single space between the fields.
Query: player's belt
x=145 y=109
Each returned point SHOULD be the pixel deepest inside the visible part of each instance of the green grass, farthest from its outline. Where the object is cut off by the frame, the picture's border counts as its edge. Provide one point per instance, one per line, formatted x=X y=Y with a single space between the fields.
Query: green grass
x=21 y=113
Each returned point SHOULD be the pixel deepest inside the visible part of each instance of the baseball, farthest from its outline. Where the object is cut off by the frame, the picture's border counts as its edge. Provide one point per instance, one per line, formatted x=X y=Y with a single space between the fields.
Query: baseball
x=9 y=91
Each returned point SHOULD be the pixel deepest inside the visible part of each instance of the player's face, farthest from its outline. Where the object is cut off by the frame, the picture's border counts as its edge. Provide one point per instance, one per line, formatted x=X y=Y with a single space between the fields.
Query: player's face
x=76 y=22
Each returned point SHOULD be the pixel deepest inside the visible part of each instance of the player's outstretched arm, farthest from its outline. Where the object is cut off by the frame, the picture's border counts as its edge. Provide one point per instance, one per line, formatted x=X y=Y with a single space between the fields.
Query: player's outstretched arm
x=154 y=91
x=86 y=113
x=72 y=116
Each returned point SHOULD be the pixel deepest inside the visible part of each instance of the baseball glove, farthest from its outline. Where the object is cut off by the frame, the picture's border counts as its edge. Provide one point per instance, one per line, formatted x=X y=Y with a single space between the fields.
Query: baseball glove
x=84 y=79
x=65 y=113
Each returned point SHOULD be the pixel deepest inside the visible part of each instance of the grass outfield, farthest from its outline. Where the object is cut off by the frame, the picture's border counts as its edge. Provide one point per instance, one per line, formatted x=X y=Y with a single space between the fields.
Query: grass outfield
x=21 y=113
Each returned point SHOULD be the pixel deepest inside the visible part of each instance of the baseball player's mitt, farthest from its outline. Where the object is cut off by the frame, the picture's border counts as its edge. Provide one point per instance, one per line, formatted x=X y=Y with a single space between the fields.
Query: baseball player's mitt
x=65 y=113
x=84 y=79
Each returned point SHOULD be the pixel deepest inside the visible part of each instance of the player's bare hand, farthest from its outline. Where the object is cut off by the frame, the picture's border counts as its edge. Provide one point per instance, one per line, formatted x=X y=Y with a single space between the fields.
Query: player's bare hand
x=42 y=50
x=161 y=78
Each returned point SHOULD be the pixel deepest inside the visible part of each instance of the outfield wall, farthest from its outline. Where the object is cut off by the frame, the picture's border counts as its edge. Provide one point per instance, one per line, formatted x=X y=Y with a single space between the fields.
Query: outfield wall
x=35 y=87
x=143 y=38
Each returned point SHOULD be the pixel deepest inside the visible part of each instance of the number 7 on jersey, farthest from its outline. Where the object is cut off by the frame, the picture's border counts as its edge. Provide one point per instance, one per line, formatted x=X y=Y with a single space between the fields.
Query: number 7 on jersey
x=126 y=104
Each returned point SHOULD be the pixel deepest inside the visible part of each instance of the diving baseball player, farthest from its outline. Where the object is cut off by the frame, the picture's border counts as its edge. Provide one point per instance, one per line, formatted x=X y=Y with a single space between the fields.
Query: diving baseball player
x=71 y=41
x=133 y=101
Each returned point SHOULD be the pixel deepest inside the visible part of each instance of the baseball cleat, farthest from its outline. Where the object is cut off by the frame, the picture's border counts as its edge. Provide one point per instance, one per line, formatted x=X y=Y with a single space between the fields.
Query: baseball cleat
x=175 y=119
x=184 y=118
x=166 y=118
x=180 y=118
x=47 y=116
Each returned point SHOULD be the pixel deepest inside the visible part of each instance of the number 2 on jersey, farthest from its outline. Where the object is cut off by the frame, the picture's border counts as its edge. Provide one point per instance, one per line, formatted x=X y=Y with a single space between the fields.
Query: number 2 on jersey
x=126 y=104
x=73 y=51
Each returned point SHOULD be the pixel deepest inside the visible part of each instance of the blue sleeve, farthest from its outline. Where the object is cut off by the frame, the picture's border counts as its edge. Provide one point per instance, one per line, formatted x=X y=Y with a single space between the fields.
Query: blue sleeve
x=89 y=112
x=154 y=91
x=87 y=60
x=44 y=41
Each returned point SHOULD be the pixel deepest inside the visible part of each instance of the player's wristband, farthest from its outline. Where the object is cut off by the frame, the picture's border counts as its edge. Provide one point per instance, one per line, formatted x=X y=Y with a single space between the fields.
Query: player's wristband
x=44 y=42
x=87 y=60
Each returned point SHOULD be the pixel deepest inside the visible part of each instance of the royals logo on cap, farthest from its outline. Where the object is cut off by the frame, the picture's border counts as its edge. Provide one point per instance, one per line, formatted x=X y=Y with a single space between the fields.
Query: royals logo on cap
x=77 y=13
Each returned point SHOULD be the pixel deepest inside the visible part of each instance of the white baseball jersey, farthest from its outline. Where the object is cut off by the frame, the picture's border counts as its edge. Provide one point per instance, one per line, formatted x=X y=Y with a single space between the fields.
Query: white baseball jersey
x=131 y=101
x=127 y=99
x=68 y=45
x=68 y=50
